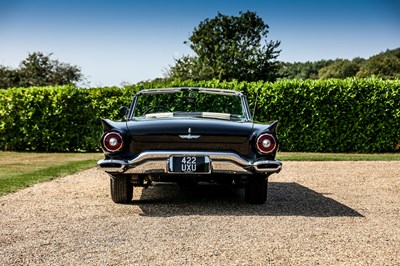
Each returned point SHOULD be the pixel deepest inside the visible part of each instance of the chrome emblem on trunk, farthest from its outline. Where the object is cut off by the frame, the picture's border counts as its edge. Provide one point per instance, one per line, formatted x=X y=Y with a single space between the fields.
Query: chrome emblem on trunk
x=189 y=136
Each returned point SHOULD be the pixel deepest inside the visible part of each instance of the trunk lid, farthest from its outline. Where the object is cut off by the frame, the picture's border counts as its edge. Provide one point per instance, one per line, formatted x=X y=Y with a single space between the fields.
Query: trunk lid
x=189 y=134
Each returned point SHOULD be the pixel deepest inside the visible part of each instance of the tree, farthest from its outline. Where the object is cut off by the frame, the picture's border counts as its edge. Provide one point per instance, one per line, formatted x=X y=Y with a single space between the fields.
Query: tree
x=39 y=70
x=300 y=70
x=8 y=77
x=189 y=67
x=341 y=69
x=386 y=66
x=229 y=47
x=395 y=52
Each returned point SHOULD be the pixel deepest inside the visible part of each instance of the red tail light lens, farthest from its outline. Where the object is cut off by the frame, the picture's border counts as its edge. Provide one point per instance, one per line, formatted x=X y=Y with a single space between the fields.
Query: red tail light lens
x=266 y=143
x=113 y=142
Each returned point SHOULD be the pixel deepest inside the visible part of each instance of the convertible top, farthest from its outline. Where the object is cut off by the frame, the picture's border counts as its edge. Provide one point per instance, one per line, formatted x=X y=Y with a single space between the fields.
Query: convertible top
x=199 y=90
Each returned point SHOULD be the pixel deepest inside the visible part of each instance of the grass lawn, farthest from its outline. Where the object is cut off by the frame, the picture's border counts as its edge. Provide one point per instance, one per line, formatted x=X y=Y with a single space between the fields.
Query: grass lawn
x=22 y=169
x=308 y=156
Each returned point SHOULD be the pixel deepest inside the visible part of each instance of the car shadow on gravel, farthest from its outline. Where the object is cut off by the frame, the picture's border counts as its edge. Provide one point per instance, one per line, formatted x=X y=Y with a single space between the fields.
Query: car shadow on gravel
x=284 y=199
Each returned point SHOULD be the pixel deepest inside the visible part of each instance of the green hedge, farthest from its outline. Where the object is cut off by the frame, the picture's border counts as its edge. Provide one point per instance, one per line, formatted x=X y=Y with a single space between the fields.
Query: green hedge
x=351 y=115
x=56 y=118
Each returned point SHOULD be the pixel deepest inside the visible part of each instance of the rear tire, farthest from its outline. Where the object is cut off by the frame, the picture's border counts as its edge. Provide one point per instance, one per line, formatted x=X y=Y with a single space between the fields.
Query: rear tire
x=256 y=189
x=121 y=188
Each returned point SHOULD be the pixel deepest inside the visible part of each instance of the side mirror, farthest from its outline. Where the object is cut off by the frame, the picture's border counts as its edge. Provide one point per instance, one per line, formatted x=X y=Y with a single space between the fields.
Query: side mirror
x=124 y=111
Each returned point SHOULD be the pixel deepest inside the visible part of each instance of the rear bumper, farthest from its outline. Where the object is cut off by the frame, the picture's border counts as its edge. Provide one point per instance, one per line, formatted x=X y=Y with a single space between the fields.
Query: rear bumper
x=156 y=162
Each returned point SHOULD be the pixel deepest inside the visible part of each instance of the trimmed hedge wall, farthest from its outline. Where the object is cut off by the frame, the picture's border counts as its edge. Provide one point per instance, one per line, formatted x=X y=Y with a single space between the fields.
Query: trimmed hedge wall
x=56 y=118
x=351 y=115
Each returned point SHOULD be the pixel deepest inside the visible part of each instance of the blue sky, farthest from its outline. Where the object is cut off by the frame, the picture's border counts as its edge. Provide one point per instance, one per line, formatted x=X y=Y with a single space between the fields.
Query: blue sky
x=130 y=41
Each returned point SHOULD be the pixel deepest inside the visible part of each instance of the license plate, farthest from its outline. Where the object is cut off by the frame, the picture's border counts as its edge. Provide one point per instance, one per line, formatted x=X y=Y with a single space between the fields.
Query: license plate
x=189 y=164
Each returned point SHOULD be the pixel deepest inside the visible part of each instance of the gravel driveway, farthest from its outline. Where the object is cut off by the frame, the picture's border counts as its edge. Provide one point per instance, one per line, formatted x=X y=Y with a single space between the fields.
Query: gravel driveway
x=326 y=213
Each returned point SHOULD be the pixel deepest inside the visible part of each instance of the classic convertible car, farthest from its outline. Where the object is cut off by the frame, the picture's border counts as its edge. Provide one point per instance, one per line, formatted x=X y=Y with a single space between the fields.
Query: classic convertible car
x=189 y=135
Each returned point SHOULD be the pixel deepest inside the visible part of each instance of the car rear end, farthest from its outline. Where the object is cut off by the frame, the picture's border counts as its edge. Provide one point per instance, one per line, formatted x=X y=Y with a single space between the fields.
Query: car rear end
x=190 y=149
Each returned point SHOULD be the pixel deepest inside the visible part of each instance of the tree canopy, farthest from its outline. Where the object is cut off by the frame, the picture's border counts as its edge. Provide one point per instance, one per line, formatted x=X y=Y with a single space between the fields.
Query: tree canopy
x=39 y=69
x=339 y=69
x=229 y=47
x=384 y=65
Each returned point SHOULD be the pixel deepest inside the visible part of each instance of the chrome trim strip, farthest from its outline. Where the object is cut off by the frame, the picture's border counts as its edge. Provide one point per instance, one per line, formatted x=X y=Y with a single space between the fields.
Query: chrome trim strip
x=200 y=90
x=110 y=165
x=271 y=166
x=157 y=162
x=189 y=136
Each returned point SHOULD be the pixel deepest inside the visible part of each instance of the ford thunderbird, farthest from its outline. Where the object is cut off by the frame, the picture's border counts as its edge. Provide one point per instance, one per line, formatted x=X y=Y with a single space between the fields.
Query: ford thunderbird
x=189 y=135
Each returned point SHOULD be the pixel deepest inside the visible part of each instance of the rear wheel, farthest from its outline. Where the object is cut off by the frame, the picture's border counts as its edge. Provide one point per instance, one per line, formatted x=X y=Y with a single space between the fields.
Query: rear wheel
x=256 y=189
x=121 y=188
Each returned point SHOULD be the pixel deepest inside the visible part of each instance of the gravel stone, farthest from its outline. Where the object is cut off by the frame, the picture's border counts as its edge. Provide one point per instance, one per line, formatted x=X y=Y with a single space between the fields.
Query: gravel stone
x=317 y=213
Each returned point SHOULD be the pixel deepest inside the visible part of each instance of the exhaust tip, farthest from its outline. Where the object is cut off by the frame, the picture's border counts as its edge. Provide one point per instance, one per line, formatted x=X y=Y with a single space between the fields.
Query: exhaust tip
x=110 y=165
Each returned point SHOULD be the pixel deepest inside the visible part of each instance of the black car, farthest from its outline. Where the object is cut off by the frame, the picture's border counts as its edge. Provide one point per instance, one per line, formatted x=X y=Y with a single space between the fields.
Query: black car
x=187 y=135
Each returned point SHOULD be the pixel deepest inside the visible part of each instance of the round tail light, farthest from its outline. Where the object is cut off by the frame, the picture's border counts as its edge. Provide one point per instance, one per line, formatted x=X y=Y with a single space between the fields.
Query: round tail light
x=113 y=142
x=266 y=143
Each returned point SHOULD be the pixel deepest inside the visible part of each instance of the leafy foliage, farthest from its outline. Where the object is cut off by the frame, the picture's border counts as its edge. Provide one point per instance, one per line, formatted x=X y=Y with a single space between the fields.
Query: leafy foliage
x=385 y=65
x=229 y=47
x=339 y=69
x=351 y=115
x=39 y=70
x=189 y=68
x=8 y=77
x=306 y=70
x=56 y=118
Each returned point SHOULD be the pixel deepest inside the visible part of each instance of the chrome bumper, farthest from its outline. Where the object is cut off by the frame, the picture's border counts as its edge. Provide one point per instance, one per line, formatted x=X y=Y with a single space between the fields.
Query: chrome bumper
x=156 y=162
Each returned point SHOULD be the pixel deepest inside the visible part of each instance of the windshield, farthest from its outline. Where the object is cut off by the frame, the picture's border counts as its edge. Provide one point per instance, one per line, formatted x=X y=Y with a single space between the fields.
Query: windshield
x=190 y=103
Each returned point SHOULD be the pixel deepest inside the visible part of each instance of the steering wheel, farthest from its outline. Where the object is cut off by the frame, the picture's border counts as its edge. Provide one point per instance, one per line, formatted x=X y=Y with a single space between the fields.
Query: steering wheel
x=156 y=107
